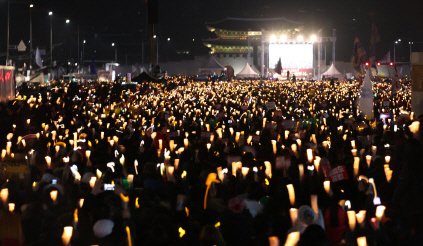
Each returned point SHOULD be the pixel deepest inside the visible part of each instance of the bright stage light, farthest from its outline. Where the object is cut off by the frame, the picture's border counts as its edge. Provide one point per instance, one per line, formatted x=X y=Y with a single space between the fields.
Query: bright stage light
x=283 y=38
x=300 y=38
x=313 y=38
x=272 y=38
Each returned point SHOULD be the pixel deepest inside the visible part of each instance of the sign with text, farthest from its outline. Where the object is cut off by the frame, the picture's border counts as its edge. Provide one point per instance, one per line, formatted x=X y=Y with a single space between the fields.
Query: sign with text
x=7 y=83
x=337 y=174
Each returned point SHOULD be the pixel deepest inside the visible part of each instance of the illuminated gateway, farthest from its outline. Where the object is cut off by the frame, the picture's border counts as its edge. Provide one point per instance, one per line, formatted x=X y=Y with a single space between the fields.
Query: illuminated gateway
x=261 y=42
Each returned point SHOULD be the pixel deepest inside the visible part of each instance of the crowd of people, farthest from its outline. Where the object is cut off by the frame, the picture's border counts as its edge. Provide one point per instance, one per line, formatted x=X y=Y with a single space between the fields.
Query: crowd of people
x=200 y=163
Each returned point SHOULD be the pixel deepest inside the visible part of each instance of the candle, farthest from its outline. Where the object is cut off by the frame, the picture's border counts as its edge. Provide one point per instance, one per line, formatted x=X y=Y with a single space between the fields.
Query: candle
x=112 y=142
x=273 y=241
x=87 y=154
x=314 y=204
x=23 y=143
x=294 y=148
x=53 y=195
x=353 y=144
x=388 y=174
x=286 y=134
x=160 y=144
x=171 y=145
x=351 y=219
x=274 y=146
x=130 y=178
x=326 y=185
x=301 y=170
x=368 y=160
x=354 y=152
x=67 y=235
x=11 y=207
x=102 y=135
x=387 y=159
x=237 y=135
x=235 y=167
x=75 y=140
x=186 y=143
x=292 y=238
x=4 y=193
x=317 y=163
x=380 y=210
x=176 y=164
x=356 y=165
x=291 y=194
x=170 y=171
x=208 y=146
x=208 y=127
x=268 y=171
x=293 y=212
x=81 y=202
x=361 y=216
x=361 y=241
x=92 y=181
x=299 y=142
x=245 y=171
x=3 y=154
x=310 y=155
x=8 y=146
x=48 y=160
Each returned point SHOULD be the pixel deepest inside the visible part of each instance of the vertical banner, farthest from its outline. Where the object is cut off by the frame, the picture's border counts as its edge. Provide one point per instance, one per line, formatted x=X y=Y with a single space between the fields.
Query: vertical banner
x=7 y=83
x=128 y=77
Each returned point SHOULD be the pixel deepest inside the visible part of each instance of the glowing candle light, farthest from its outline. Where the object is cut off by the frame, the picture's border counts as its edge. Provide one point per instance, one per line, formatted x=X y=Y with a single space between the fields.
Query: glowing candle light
x=356 y=165
x=291 y=194
x=67 y=235
x=81 y=202
x=8 y=147
x=354 y=152
x=237 y=135
x=245 y=171
x=273 y=241
x=374 y=150
x=361 y=215
x=23 y=143
x=3 y=154
x=102 y=135
x=353 y=144
x=310 y=155
x=48 y=160
x=53 y=195
x=75 y=140
x=314 y=204
x=172 y=145
x=208 y=146
x=176 y=164
x=301 y=170
x=286 y=134
x=130 y=178
x=351 y=219
x=326 y=185
x=186 y=143
x=160 y=144
x=268 y=171
x=299 y=142
x=380 y=210
x=362 y=241
x=4 y=193
x=388 y=174
x=274 y=146
x=11 y=207
x=368 y=160
x=387 y=159
x=292 y=238
x=293 y=212
x=235 y=167
x=92 y=181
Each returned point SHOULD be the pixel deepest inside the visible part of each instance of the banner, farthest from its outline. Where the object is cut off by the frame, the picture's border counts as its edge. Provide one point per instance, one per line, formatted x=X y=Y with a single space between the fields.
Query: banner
x=359 y=55
x=366 y=96
x=38 y=58
x=7 y=83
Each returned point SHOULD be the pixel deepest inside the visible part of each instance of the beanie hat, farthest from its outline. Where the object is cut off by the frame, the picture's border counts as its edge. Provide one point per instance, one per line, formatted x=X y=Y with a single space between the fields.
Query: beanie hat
x=306 y=214
x=103 y=228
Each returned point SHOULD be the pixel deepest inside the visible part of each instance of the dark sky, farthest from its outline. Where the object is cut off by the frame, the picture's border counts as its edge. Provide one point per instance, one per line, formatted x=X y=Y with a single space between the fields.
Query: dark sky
x=124 y=22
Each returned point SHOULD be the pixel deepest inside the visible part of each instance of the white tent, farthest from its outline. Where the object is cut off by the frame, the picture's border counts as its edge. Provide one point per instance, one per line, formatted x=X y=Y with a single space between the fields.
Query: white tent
x=247 y=72
x=212 y=64
x=333 y=73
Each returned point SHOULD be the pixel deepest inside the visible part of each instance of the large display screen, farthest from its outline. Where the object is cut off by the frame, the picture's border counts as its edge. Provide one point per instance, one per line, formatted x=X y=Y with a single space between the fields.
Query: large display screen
x=292 y=55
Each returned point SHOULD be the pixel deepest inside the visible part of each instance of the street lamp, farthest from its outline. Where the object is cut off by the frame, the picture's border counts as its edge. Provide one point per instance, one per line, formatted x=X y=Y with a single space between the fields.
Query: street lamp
x=30 y=38
x=67 y=20
x=51 y=40
x=113 y=44
x=394 y=49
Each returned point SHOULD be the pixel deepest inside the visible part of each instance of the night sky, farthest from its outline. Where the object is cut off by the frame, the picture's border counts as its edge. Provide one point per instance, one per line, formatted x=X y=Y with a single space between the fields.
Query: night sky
x=124 y=23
